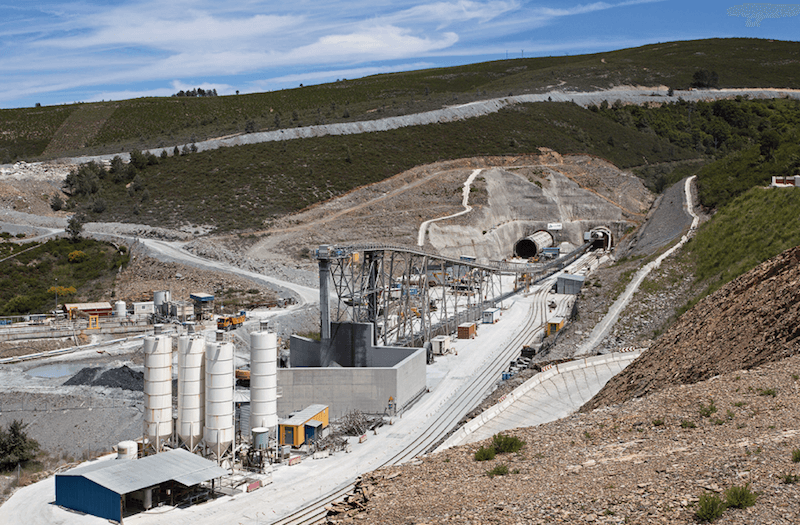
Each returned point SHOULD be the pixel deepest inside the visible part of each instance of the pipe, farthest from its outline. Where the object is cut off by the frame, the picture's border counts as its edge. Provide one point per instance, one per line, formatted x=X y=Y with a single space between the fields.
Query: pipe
x=532 y=245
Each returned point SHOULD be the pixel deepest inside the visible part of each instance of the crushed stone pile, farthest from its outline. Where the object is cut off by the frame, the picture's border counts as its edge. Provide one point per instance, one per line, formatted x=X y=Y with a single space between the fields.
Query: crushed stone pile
x=753 y=320
x=122 y=377
x=84 y=377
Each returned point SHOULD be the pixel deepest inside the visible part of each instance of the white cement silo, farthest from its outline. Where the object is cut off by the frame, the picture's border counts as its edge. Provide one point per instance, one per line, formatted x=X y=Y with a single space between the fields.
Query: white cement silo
x=157 y=389
x=263 y=379
x=219 y=429
x=120 y=310
x=191 y=389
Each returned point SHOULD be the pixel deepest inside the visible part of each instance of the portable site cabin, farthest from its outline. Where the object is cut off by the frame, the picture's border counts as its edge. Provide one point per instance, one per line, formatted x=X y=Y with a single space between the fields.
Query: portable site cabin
x=441 y=344
x=554 y=325
x=144 y=308
x=569 y=284
x=491 y=316
x=466 y=331
x=304 y=426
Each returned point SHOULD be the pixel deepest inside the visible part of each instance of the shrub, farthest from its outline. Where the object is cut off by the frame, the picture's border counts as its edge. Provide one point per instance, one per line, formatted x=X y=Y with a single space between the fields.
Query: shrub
x=740 y=497
x=767 y=392
x=485 y=454
x=706 y=411
x=75 y=226
x=499 y=470
x=710 y=507
x=796 y=455
x=658 y=422
x=790 y=479
x=688 y=424
x=504 y=444
x=56 y=203
x=16 y=446
x=76 y=256
x=99 y=206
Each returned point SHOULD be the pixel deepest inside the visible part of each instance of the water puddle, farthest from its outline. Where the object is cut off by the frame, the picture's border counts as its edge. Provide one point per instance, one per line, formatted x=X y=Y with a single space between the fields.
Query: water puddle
x=56 y=370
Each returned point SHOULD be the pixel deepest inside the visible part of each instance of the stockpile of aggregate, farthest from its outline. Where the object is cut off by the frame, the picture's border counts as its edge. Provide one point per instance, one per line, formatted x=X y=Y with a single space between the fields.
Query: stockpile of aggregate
x=122 y=377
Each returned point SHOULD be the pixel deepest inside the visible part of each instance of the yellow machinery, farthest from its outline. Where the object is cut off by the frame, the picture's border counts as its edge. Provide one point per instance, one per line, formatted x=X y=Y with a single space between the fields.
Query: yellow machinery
x=231 y=322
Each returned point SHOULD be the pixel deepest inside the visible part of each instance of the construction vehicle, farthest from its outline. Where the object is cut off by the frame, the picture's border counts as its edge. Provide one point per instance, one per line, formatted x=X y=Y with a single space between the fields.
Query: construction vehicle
x=242 y=376
x=231 y=322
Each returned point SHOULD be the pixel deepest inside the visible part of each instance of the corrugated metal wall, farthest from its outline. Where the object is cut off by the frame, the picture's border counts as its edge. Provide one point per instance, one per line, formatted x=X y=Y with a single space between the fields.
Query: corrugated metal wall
x=81 y=494
x=243 y=418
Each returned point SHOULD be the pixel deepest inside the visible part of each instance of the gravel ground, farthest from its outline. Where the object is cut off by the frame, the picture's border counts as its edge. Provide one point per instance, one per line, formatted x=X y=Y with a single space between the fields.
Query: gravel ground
x=667 y=221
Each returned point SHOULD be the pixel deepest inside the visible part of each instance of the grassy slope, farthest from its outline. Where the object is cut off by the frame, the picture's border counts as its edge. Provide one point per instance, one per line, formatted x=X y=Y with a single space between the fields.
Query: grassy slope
x=752 y=228
x=26 y=279
x=241 y=187
x=151 y=122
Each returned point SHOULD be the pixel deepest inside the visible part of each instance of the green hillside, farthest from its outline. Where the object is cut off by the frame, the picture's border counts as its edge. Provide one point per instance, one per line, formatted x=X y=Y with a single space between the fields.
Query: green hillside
x=742 y=142
x=242 y=187
x=752 y=228
x=82 y=269
x=35 y=133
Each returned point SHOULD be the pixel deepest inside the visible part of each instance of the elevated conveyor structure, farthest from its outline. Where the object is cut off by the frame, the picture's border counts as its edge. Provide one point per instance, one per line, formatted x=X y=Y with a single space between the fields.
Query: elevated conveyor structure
x=412 y=295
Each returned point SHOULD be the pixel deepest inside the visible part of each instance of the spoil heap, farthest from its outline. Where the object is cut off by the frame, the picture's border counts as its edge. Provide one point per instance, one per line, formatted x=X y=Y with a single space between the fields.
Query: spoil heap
x=754 y=319
x=122 y=377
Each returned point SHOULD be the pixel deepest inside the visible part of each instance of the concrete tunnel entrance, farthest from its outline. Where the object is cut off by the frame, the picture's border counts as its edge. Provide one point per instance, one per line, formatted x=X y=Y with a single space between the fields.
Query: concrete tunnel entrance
x=600 y=238
x=533 y=245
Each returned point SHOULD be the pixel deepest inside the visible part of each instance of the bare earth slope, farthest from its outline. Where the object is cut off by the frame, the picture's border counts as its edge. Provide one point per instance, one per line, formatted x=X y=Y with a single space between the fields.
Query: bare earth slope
x=753 y=320
x=511 y=197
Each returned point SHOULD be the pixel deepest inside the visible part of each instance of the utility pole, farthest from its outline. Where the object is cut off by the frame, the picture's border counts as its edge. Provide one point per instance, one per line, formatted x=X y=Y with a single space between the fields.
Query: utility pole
x=56 y=289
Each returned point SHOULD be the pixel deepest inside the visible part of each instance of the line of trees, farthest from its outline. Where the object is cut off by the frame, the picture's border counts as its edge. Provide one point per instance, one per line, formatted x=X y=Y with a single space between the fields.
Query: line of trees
x=199 y=92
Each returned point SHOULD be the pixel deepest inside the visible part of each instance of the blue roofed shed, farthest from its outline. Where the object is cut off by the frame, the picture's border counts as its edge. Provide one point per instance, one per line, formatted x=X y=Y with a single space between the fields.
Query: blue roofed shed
x=98 y=488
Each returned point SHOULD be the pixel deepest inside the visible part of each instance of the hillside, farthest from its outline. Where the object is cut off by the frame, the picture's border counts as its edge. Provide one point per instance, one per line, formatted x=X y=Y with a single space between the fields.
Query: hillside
x=642 y=462
x=110 y=127
x=83 y=270
x=753 y=320
x=245 y=187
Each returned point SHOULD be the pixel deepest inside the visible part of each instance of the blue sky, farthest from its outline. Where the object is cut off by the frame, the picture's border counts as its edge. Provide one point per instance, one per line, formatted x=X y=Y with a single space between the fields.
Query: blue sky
x=89 y=50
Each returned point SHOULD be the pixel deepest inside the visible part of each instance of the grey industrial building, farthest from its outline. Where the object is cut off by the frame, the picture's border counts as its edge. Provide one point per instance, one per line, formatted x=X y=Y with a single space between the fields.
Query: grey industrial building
x=347 y=372
x=107 y=489
x=569 y=284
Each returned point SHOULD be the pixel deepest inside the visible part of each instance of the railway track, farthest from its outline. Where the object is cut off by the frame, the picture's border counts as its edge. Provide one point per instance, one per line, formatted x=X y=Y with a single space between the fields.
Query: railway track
x=467 y=397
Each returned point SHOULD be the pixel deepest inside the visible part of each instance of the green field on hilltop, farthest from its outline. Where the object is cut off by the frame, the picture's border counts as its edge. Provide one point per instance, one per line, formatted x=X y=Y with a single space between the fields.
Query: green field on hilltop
x=110 y=127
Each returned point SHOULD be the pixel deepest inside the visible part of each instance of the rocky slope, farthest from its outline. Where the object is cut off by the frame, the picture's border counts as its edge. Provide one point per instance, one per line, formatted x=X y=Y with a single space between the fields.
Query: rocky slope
x=644 y=461
x=753 y=320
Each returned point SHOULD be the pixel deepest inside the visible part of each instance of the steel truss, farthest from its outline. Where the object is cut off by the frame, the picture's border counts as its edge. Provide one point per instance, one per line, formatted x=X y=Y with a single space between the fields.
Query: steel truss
x=411 y=297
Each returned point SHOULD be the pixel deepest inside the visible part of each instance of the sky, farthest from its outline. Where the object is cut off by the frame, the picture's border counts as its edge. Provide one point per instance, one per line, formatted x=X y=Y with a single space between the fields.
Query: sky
x=91 y=50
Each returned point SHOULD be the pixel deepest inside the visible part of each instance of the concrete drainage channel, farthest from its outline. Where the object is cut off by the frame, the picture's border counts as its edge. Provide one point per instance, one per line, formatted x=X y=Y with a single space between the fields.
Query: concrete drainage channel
x=571 y=392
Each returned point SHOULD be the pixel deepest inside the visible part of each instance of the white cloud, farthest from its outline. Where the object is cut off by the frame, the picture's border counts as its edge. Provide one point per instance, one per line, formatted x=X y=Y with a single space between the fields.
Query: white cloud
x=376 y=43
x=110 y=51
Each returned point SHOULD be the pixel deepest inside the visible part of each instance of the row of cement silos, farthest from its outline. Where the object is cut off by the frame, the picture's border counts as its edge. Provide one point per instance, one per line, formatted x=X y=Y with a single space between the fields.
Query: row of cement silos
x=205 y=411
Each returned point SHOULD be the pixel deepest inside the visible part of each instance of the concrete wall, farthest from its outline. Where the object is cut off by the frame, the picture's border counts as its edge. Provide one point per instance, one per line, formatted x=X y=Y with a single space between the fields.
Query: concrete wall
x=349 y=372
x=346 y=389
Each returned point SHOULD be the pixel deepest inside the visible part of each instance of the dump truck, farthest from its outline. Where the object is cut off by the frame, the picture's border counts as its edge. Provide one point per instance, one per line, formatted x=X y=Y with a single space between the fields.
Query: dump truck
x=231 y=322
